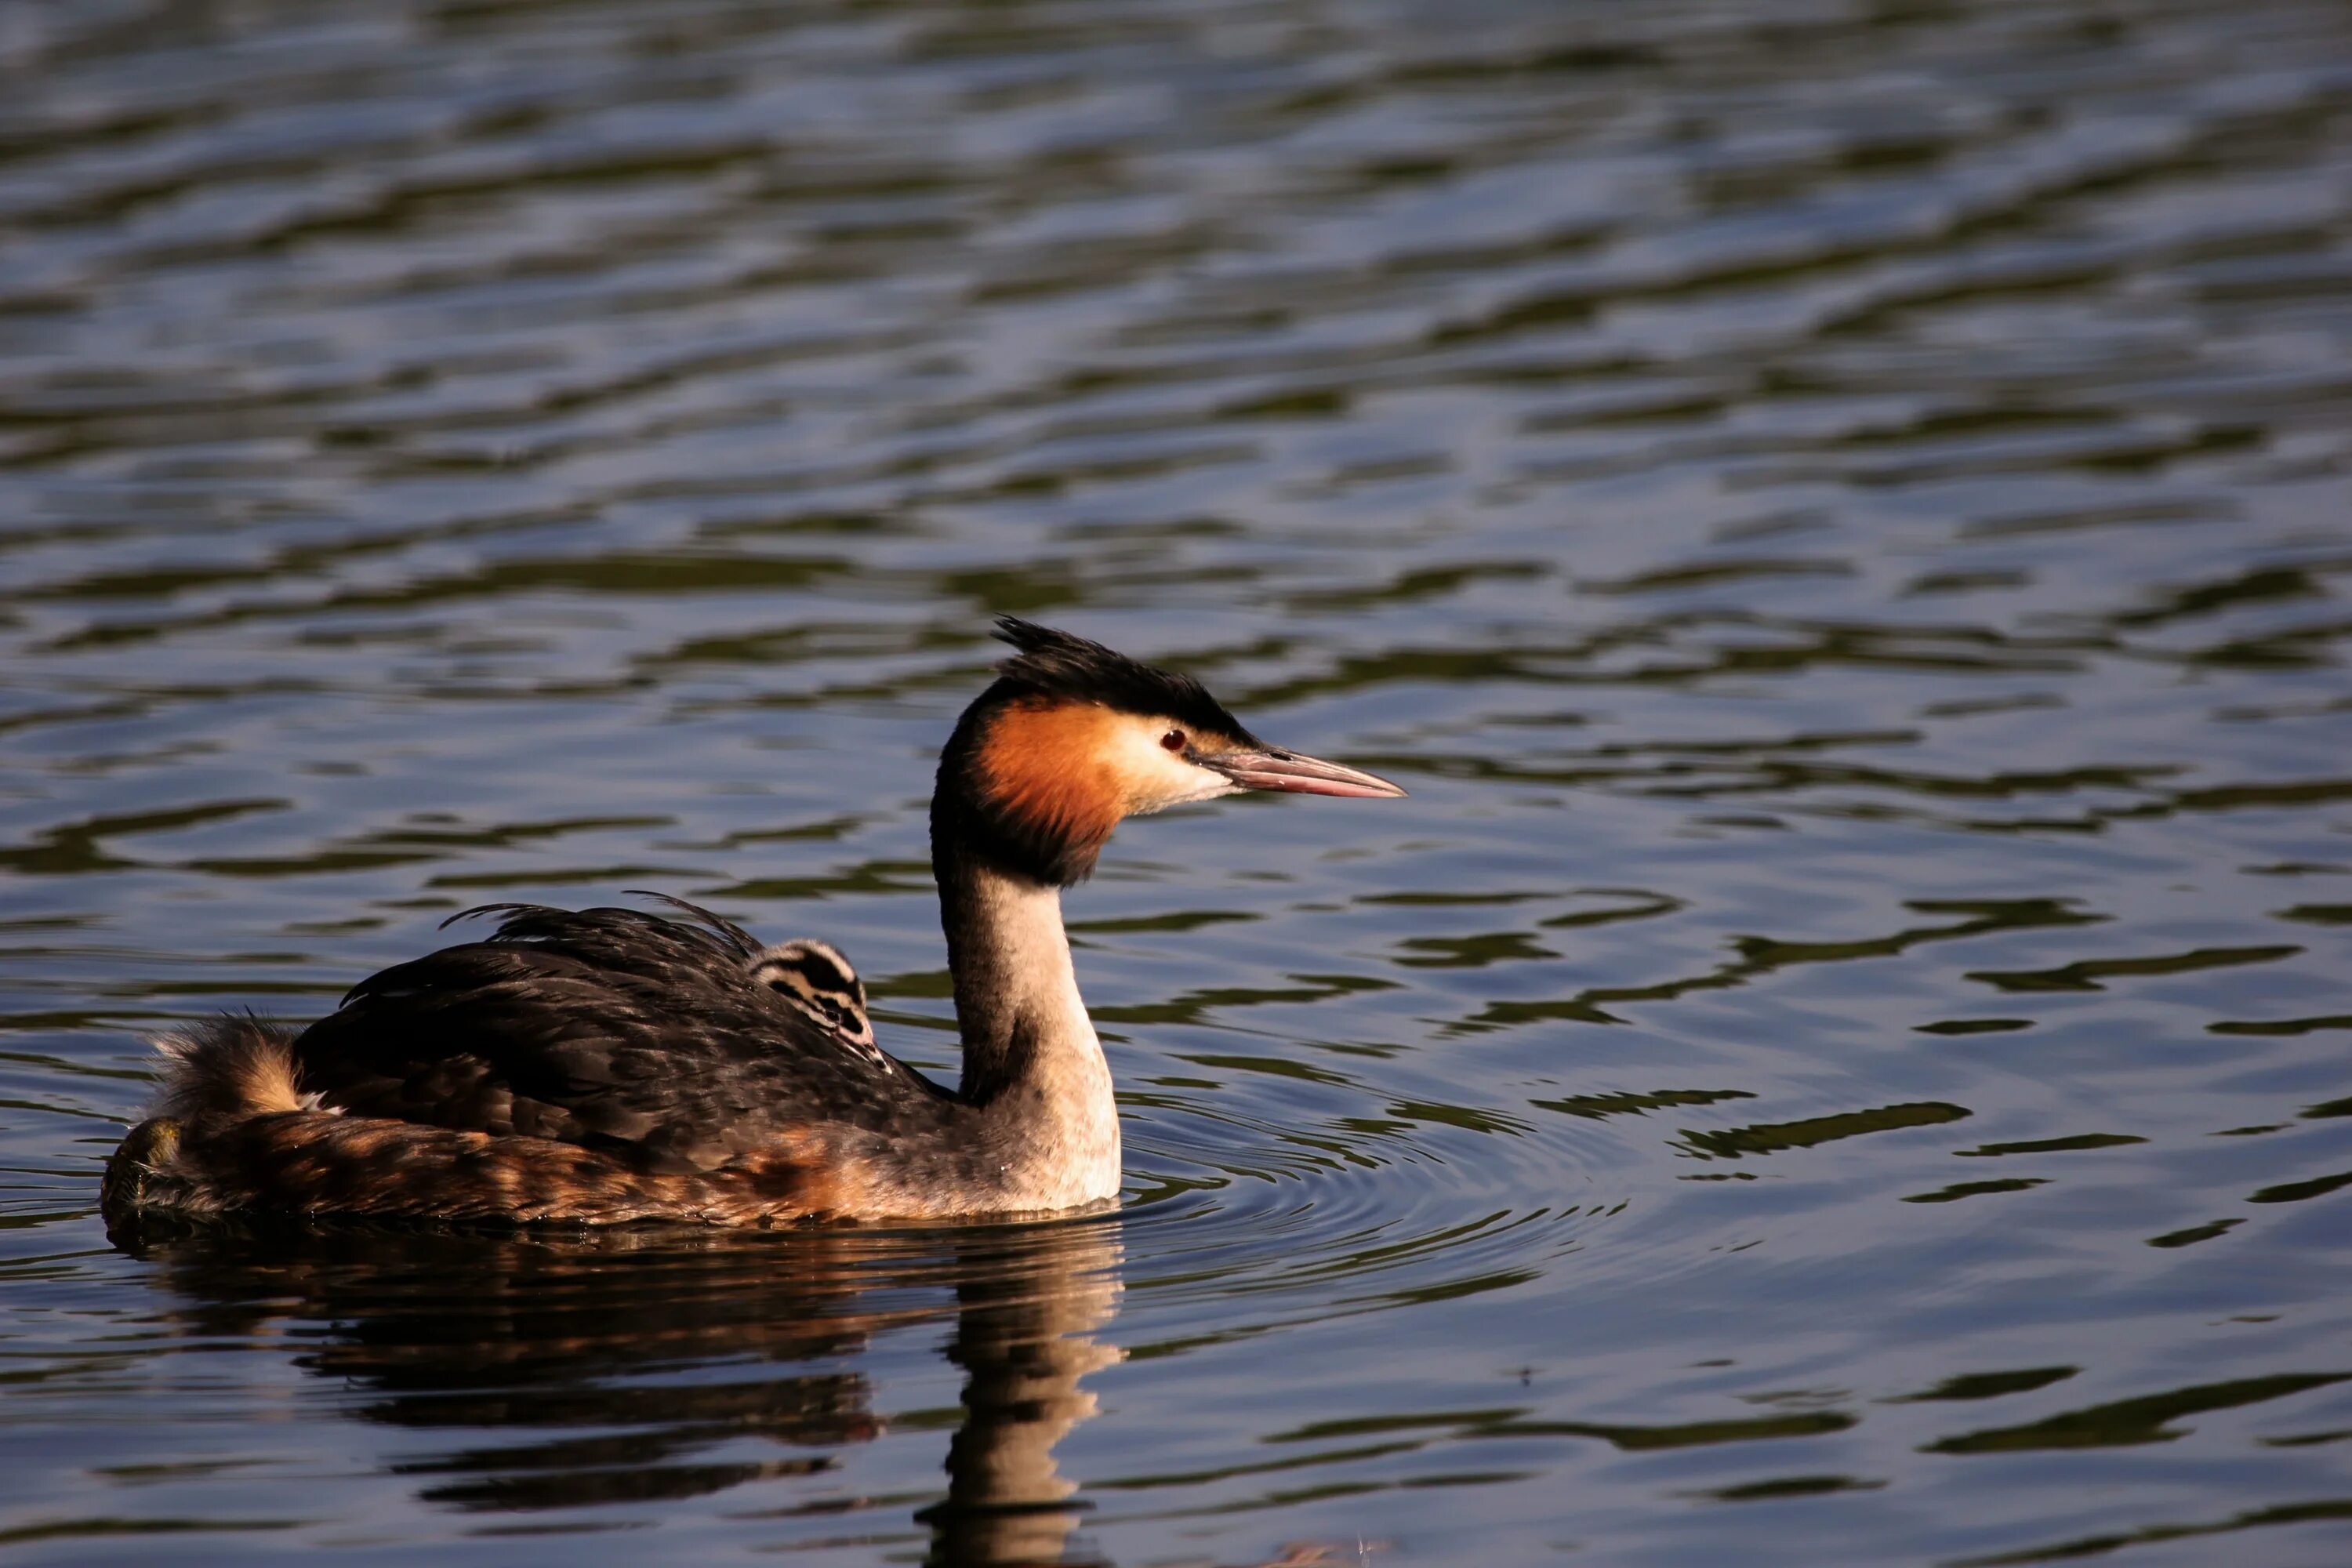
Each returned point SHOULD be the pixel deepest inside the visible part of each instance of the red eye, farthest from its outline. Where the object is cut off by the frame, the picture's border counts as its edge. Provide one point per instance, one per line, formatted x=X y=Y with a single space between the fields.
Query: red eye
x=1173 y=740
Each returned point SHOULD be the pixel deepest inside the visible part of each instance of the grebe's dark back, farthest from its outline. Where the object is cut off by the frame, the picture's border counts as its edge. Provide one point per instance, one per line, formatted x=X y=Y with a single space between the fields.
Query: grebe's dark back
x=608 y=1063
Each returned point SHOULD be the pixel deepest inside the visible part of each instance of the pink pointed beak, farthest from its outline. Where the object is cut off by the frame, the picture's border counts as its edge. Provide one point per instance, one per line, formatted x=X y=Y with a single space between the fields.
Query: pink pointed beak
x=1289 y=771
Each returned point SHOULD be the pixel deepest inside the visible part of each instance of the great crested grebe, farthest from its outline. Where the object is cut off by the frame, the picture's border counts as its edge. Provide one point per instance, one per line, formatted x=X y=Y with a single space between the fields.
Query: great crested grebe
x=597 y=1066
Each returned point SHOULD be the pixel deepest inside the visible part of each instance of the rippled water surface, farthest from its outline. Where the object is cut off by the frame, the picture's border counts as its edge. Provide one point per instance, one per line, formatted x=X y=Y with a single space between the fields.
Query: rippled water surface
x=1839 y=512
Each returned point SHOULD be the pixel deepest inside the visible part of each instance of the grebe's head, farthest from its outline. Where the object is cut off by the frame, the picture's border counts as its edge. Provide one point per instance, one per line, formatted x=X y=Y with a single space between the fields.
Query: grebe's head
x=1073 y=737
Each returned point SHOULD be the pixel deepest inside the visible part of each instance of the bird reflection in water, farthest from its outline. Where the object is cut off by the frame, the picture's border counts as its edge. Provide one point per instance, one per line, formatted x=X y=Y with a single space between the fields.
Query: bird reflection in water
x=569 y=1336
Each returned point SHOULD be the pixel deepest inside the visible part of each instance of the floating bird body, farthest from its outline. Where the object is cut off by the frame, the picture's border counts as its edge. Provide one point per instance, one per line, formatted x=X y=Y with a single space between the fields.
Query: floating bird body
x=608 y=1065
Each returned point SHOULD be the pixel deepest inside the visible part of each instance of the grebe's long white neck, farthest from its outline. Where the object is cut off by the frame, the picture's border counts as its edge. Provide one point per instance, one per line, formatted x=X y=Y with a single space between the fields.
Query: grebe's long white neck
x=1071 y=739
x=1032 y=1063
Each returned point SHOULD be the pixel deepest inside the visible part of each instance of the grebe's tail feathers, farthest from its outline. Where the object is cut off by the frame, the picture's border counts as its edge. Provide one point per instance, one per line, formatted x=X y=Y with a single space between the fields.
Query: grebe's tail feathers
x=233 y=1065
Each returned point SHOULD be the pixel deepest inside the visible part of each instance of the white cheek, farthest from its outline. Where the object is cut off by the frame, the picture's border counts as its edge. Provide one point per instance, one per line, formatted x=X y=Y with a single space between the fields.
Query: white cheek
x=1200 y=783
x=1158 y=778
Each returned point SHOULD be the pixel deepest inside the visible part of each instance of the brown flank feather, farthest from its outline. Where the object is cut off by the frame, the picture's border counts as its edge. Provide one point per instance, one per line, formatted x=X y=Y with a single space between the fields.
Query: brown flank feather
x=237 y=1131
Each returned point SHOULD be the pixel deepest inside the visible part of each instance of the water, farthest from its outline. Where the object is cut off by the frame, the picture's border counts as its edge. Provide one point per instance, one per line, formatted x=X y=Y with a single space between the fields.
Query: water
x=1838 y=512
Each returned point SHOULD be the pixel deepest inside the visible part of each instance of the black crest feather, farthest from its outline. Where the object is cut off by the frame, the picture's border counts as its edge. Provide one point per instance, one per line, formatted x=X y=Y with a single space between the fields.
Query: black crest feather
x=1052 y=663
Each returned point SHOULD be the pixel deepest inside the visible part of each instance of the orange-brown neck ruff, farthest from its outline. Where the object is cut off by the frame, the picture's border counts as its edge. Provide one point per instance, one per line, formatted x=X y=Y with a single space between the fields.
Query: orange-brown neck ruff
x=1050 y=774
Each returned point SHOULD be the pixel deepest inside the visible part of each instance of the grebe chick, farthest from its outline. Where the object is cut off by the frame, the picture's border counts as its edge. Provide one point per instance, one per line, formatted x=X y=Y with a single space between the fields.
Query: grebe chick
x=607 y=1064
